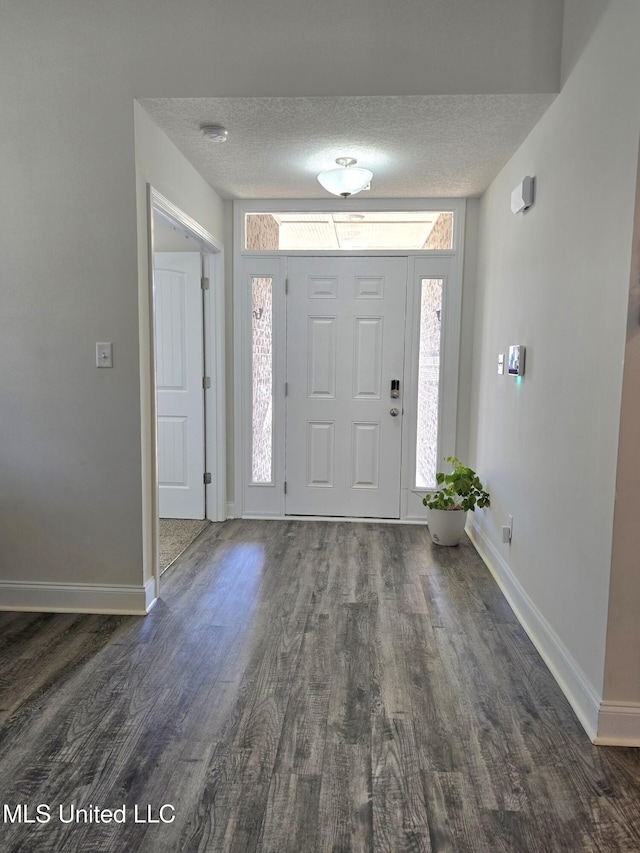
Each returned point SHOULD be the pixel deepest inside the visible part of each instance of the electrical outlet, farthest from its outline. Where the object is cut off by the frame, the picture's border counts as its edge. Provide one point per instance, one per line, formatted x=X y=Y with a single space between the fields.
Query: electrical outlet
x=507 y=531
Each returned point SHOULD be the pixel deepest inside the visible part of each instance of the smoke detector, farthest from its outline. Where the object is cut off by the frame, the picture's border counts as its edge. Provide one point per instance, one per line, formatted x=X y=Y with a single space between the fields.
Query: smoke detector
x=214 y=132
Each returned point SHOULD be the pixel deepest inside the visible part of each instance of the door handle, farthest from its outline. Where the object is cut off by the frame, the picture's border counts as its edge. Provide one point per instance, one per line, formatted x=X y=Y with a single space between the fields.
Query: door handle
x=394 y=412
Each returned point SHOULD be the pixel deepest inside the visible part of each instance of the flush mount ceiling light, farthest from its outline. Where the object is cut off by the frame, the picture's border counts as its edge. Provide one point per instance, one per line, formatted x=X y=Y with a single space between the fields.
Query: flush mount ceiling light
x=347 y=180
x=214 y=132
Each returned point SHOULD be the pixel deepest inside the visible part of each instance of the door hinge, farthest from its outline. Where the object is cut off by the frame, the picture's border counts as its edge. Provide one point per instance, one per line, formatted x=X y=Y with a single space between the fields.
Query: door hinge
x=204 y=282
x=206 y=382
x=286 y=389
x=286 y=286
x=285 y=487
x=207 y=479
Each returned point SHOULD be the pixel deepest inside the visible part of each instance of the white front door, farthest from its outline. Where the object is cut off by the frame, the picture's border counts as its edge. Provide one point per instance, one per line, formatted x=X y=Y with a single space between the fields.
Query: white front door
x=179 y=371
x=345 y=345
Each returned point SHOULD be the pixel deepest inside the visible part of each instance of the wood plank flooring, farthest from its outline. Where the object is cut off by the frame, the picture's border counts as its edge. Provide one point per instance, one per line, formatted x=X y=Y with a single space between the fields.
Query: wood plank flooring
x=304 y=686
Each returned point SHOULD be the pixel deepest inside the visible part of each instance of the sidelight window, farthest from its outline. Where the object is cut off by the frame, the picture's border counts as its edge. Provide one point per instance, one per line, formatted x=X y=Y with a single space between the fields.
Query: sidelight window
x=262 y=379
x=428 y=381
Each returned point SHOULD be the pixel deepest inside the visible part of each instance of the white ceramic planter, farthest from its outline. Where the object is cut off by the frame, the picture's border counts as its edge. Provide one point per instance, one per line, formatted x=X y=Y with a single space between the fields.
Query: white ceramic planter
x=446 y=526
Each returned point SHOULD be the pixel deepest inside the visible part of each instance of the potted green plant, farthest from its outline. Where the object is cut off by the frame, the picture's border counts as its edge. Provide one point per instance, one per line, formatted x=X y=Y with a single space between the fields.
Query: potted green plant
x=459 y=491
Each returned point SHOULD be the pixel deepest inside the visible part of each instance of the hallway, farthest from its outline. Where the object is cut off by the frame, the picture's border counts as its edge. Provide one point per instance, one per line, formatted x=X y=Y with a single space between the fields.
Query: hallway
x=305 y=686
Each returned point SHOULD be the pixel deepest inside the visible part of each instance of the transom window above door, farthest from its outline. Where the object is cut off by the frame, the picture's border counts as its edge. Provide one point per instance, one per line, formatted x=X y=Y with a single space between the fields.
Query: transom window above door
x=348 y=231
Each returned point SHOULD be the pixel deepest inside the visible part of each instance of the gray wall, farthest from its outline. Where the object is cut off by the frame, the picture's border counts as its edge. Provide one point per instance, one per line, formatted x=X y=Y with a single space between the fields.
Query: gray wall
x=622 y=674
x=75 y=441
x=557 y=280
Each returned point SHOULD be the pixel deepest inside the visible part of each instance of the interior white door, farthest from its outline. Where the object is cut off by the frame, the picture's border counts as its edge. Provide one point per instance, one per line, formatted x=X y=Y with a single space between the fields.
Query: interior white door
x=179 y=371
x=345 y=344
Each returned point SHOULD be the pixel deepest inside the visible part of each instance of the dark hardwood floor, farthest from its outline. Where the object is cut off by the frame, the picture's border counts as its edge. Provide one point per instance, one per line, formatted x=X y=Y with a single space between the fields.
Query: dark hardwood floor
x=303 y=686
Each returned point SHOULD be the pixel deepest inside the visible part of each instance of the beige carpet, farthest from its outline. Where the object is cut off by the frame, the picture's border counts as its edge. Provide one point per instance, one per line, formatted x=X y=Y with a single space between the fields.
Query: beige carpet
x=175 y=535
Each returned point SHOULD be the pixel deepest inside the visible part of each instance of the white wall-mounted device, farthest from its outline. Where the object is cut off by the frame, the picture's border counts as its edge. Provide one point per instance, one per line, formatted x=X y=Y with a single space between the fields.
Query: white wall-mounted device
x=516 y=360
x=522 y=196
x=501 y=364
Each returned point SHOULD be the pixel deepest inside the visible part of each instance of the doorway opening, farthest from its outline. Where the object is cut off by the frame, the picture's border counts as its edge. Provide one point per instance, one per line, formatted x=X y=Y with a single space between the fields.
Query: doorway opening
x=188 y=378
x=347 y=340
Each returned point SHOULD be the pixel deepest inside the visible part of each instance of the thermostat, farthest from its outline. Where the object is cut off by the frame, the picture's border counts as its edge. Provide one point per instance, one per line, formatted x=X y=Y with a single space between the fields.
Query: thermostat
x=515 y=365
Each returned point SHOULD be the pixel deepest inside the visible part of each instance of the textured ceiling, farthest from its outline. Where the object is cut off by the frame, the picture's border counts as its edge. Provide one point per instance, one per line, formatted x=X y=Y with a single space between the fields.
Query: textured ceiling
x=416 y=146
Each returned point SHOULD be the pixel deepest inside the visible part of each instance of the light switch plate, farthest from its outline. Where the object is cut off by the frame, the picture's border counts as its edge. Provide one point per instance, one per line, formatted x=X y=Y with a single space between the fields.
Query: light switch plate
x=104 y=355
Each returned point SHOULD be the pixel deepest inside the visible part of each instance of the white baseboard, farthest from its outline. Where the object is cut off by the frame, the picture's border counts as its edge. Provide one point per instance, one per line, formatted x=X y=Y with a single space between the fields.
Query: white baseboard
x=579 y=691
x=77 y=598
x=619 y=724
x=231 y=509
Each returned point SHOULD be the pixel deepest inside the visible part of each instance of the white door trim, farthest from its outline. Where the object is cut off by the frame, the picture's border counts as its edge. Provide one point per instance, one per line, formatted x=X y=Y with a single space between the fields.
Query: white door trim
x=251 y=500
x=214 y=349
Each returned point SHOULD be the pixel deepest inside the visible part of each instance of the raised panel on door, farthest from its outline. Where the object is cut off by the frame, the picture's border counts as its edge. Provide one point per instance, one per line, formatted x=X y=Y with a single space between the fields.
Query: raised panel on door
x=345 y=343
x=321 y=356
x=367 y=358
x=179 y=370
x=172 y=451
x=320 y=453
x=171 y=335
x=365 y=456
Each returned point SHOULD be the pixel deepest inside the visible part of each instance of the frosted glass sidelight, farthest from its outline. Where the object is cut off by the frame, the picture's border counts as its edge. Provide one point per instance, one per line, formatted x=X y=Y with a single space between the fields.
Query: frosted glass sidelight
x=262 y=379
x=428 y=382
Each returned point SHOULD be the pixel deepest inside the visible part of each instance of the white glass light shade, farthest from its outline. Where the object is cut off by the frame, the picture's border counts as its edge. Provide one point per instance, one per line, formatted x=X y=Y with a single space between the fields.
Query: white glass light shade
x=345 y=180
